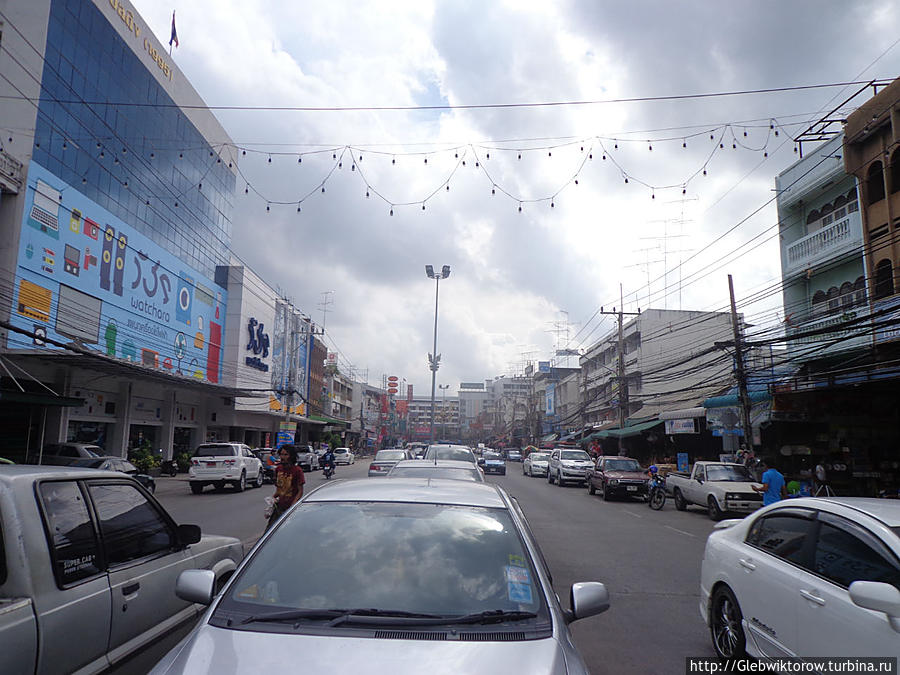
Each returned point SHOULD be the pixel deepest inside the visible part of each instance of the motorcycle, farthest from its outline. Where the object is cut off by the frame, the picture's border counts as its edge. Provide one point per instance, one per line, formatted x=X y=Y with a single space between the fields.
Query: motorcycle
x=169 y=468
x=328 y=471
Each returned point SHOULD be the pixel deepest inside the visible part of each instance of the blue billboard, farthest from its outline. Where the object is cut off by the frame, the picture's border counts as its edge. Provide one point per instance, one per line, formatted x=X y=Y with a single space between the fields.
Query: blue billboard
x=85 y=275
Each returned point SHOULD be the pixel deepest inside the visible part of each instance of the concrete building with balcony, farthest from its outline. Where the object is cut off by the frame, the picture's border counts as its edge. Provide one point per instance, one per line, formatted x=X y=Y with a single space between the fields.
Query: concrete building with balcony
x=446 y=418
x=472 y=398
x=822 y=264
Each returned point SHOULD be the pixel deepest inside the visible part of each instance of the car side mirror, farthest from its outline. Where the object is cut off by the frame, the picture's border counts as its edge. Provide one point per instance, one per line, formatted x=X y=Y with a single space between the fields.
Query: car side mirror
x=879 y=597
x=480 y=461
x=700 y=480
x=587 y=598
x=188 y=534
x=196 y=586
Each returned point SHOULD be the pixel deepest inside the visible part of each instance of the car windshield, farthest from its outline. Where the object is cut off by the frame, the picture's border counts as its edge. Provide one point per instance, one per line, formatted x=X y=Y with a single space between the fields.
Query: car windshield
x=493 y=455
x=425 y=558
x=215 y=450
x=435 y=472
x=574 y=454
x=730 y=474
x=390 y=455
x=622 y=465
x=539 y=457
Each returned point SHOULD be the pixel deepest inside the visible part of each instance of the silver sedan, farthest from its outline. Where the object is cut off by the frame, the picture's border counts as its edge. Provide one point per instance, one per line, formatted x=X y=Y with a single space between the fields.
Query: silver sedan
x=536 y=464
x=399 y=576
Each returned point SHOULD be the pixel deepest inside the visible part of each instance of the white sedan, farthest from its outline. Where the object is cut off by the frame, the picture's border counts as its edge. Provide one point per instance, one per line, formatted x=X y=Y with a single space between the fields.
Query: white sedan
x=805 y=577
x=343 y=456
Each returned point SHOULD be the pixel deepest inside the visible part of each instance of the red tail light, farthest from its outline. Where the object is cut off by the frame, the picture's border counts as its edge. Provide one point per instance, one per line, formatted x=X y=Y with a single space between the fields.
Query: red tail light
x=228 y=462
x=374 y=467
x=195 y=462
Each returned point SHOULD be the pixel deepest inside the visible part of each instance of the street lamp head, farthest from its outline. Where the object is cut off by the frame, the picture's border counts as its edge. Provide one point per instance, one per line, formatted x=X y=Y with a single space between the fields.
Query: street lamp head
x=429 y=270
x=445 y=271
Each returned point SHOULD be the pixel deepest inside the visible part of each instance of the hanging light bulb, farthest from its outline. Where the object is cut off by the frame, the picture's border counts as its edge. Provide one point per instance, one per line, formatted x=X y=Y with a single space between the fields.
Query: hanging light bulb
x=298 y=208
x=795 y=149
x=353 y=167
x=243 y=152
x=616 y=145
x=710 y=137
x=576 y=181
x=267 y=207
x=477 y=164
x=734 y=146
x=765 y=154
x=684 y=190
x=392 y=211
x=549 y=154
x=299 y=160
x=200 y=186
x=771 y=125
x=340 y=165
x=65 y=145
x=464 y=162
x=423 y=206
x=124 y=150
x=626 y=180
x=367 y=194
x=323 y=189
x=247 y=189
x=83 y=181
x=776 y=132
x=393 y=160
x=582 y=148
x=270 y=159
x=745 y=133
x=493 y=191
x=520 y=208
x=125 y=185
x=652 y=195
x=426 y=160
x=721 y=145
x=180 y=155
x=152 y=155
x=456 y=155
x=176 y=205
x=604 y=156
x=651 y=148
x=333 y=155
x=704 y=172
x=116 y=160
x=520 y=154
x=552 y=204
x=683 y=144
x=360 y=158
x=591 y=156
x=211 y=153
x=488 y=155
x=448 y=187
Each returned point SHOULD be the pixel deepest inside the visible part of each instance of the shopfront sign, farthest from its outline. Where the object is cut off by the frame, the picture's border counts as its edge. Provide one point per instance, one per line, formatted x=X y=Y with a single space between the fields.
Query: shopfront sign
x=688 y=426
x=258 y=345
x=83 y=275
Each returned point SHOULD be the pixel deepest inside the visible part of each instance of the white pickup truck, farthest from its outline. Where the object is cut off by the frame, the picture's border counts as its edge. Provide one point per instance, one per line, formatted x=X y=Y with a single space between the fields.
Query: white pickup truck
x=720 y=487
x=88 y=564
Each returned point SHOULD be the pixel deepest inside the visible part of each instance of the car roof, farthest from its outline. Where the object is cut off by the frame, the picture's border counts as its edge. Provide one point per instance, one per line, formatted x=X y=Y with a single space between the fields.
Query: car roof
x=617 y=457
x=885 y=510
x=446 y=463
x=28 y=472
x=413 y=490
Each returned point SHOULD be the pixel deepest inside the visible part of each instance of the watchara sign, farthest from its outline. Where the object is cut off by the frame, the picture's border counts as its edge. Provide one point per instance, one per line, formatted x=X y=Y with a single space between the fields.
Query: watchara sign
x=84 y=275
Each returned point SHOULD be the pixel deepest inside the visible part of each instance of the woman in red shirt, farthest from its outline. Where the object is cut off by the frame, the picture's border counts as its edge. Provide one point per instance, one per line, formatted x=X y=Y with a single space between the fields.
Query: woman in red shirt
x=289 y=480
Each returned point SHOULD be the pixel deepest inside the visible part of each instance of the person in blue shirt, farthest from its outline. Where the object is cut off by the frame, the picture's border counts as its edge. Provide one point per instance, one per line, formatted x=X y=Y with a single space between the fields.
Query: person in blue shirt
x=772 y=488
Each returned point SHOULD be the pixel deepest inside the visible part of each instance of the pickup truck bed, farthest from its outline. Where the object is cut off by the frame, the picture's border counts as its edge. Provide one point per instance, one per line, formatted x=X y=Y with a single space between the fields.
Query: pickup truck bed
x=720 y=487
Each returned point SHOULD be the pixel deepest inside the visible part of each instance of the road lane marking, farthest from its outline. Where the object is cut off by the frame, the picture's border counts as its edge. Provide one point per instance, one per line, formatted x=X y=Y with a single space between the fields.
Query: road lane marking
x=681 y=531
x=633 y=514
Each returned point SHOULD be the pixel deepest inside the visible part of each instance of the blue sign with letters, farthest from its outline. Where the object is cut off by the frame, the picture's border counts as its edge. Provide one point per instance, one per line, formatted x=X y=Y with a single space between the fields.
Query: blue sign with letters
x=84 y=275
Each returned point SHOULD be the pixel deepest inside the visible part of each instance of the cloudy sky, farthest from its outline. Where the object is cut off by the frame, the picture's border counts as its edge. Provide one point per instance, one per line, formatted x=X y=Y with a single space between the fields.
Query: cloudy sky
x=398 y=101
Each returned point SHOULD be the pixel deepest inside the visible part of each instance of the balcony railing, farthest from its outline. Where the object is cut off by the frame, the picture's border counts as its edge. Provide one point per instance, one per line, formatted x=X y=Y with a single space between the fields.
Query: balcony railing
x=855 y=335
x=823 y=244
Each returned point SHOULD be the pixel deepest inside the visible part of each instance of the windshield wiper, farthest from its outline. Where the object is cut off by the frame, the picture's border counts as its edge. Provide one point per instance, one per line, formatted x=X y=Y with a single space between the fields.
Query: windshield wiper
x=337 y=615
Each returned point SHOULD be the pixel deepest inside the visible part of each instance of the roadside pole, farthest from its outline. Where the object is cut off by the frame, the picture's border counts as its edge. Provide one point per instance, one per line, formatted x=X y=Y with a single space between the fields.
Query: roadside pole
x=739 y=371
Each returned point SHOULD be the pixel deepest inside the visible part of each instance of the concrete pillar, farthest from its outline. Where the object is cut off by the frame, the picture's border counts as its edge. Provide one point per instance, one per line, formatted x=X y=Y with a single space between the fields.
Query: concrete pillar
x=56 y=426
x=167 y=430
x=117 y=444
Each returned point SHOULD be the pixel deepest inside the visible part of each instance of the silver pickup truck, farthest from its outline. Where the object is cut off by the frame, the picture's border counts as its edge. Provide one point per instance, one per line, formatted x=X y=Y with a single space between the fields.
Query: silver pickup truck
x=88 y=563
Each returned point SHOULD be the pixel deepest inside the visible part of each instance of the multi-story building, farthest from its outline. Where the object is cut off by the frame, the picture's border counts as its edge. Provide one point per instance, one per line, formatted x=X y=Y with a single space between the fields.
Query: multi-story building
x=472 y=399
x=823 y=271
x=871 y=151
x=670 y=363
x=552 y=402
x=512 y=400
x=115 y=214
x=446 y=418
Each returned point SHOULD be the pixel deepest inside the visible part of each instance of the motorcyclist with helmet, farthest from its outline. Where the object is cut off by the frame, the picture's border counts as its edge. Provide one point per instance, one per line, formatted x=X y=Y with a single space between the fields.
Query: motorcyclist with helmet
x=328 y=464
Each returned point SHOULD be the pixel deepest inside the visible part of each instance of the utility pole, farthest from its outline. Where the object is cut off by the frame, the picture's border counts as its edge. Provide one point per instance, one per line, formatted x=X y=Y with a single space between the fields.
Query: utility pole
x=623 y=381
x=326 y=300
x=739 y=369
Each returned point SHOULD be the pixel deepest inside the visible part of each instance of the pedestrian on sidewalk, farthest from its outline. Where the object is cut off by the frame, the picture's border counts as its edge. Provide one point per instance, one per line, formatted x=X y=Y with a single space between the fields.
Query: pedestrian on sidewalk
x=773 y=486
x=289 y=481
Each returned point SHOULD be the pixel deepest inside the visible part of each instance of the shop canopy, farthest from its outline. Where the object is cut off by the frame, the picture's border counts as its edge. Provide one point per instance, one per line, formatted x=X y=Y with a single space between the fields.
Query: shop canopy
x=325 y=419
x=633 y=430
x=549 y=438
x=729 y=400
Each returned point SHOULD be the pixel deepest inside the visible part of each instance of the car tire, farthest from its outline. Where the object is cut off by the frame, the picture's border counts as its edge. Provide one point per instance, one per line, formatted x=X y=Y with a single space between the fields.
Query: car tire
x=592 y=490
x=606 y=495
x=260 y=479
x=196 y=488
x=559 y=479
x=680 y=502
x=242 y=483
x=549 y=477
x=712 y=508
x=726 y=625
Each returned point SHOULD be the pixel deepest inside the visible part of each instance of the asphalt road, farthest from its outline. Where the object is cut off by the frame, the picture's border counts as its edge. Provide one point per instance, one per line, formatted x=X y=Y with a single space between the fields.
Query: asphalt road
x=649 y=560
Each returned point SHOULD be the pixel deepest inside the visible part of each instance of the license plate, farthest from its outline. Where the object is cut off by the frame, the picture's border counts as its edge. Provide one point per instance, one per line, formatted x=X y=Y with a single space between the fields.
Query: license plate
x=632 y=488
x=211 y=464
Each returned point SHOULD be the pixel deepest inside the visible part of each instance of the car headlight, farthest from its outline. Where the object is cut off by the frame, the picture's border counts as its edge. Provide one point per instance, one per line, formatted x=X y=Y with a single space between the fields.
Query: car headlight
x=732 y=495
x=613 y=481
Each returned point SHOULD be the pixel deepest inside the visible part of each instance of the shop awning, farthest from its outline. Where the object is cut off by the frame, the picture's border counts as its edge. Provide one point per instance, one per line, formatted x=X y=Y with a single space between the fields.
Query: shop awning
x=683 y=414
x=757 y=396
x=40 y=399
x=633 y=430
x=549 y=438
x=329 y=420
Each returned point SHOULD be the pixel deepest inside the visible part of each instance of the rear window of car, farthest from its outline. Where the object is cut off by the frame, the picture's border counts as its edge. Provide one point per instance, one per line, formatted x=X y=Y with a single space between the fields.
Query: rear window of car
x=425 y=558
x=388 y=455
x=215 y=450
x=428 y=472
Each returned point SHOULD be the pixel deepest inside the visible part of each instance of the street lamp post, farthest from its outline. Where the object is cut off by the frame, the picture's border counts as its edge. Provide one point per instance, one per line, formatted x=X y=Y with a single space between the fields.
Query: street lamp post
x=434 y=359
x=443 y=388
